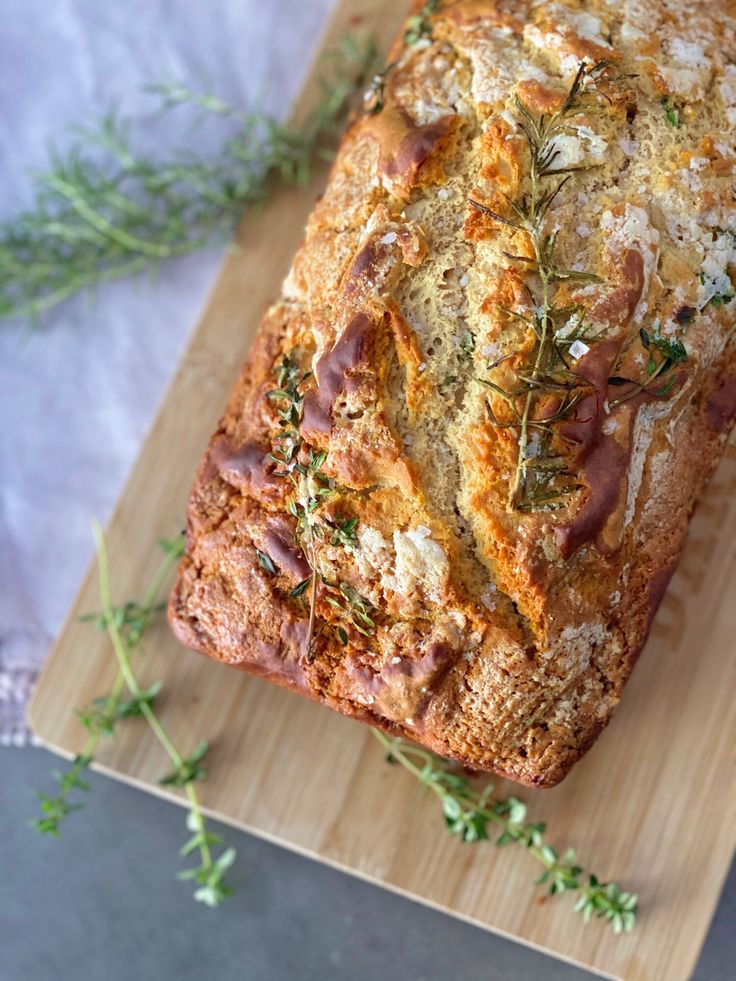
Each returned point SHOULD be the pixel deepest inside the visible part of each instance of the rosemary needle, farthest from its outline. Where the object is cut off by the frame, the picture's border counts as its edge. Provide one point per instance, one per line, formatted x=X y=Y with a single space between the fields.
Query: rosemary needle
x=104 y=211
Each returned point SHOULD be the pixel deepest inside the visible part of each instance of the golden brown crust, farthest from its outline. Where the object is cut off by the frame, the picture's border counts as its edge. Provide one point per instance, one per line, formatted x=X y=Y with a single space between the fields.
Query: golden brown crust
x=493 y=628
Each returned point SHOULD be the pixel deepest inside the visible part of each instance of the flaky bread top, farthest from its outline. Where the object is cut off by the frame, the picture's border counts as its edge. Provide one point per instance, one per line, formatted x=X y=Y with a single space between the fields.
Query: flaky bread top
x=454 y=480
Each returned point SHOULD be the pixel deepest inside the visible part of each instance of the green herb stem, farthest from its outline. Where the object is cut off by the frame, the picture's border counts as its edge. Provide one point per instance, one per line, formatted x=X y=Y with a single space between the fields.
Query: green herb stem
x=542 y=480
x=101 y=718
x=103 y=210
x=211 y=892
x=468 y=813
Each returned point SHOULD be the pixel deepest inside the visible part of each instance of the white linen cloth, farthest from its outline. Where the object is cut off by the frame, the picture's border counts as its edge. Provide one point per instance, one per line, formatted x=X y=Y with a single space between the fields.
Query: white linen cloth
x=77 y=396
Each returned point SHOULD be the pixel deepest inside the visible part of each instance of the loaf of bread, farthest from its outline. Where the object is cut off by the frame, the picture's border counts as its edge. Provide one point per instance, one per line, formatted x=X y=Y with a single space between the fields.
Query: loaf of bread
x=451 y=486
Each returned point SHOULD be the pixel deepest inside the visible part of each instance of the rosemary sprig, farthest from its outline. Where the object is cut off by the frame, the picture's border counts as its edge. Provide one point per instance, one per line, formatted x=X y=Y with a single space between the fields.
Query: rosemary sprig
x=547 y=389
x=104 y=211
x=469 y=813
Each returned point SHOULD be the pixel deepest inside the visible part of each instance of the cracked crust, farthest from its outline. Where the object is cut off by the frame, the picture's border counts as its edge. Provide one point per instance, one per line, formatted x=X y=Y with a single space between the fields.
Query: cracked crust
x=502 y=639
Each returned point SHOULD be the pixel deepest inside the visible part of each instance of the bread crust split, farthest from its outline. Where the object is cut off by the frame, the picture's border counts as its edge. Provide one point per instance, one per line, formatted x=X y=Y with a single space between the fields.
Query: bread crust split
x=453 y=510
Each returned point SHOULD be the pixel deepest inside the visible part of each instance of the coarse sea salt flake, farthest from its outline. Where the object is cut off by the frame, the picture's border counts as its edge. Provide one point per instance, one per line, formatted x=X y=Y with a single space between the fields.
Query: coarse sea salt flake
x=491 y=350
x=508 y=118
x=389 y=238
x=578 y=349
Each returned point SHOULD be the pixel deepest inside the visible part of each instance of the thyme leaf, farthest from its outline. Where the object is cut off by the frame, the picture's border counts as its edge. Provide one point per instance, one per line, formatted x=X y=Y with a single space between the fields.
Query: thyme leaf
x=419 y=26
x=664 y=355
x=126 y=626
x=475 y=815
x=265 y=562
x=671 y=113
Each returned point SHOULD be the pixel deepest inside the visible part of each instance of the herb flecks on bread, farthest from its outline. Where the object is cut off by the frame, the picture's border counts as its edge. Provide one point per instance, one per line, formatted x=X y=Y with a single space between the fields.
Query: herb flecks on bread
x=455 y=477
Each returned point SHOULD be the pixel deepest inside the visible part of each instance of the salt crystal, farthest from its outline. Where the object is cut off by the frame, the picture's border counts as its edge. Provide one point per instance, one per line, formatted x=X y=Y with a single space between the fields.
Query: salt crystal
x=578 y=349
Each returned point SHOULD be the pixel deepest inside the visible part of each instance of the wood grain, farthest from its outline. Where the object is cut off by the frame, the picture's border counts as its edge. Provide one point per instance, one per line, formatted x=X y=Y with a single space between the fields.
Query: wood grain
x=651 y=805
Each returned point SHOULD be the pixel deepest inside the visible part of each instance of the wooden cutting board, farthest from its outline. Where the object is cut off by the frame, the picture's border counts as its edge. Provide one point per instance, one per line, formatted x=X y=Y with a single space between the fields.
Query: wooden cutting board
x=651 y=806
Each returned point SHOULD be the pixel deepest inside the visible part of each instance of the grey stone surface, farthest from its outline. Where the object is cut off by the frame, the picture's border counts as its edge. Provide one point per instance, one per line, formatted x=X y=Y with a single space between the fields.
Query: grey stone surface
x=103 y=904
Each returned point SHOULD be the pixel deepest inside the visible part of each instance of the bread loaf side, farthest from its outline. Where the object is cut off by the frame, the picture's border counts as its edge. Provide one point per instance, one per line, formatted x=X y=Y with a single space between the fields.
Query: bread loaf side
x=456 y=475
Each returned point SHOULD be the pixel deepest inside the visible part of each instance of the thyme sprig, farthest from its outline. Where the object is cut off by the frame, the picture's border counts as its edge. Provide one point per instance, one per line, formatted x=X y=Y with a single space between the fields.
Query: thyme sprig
x=547 y=390
x=104 y=210
x=355 y=608
x=664 y=354
x=126 y=626
x=101 y=718
x=312 y=487
x=209 y=874
x=469 y=814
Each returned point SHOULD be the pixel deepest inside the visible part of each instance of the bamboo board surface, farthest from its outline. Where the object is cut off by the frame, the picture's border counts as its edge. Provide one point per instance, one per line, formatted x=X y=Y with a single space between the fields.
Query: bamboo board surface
x=650 y=806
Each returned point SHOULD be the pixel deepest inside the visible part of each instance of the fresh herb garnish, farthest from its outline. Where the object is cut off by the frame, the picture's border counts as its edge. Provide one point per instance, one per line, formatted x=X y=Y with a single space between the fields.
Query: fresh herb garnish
x=671 y=113
x=663 y=355
x=471 y=814
x=303 y=466
x=467 y=344
x=125 y=626
x=374 y=97
x=265 y=562
x=130 y=620
x=356 y=607
x=343 y=530
x=542 y=479
x=721 y=299
x=419 y=26
x=105 y=210
x=187 y=770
